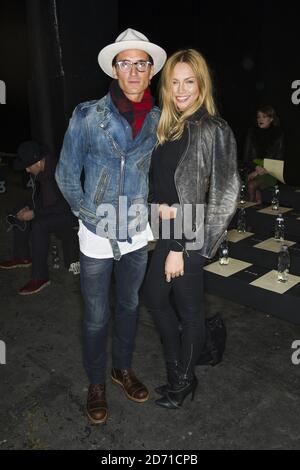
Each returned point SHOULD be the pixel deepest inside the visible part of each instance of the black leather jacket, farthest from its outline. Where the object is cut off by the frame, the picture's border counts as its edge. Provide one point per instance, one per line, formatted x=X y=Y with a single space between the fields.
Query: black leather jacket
x=207 y=175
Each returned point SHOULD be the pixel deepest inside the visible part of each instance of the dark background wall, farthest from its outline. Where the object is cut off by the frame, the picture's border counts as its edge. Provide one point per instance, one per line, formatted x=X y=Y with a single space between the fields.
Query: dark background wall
x=14 y=71
x=48 y=58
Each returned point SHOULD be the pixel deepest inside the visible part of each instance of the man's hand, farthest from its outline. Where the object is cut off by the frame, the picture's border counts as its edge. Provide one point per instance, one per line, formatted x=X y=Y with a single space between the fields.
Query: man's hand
x=25 y=214
x=26 y=208
x=174 y=265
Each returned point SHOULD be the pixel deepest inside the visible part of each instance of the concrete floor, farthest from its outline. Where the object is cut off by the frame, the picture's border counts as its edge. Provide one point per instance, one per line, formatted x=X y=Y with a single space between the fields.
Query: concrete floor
x=249 y=401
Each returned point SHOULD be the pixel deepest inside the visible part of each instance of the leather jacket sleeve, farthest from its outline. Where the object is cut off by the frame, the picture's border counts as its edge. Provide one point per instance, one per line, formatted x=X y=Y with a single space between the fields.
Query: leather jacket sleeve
x=250 y=153
x=69 y=167
x=224 y=185
x=278 y=150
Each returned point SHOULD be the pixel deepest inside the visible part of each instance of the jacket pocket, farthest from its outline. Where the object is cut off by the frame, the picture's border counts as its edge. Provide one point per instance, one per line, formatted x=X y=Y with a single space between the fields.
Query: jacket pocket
x=101 y=186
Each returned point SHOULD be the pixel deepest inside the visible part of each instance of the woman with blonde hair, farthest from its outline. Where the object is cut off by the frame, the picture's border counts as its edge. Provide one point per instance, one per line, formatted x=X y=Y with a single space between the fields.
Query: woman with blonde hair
x=195 y=185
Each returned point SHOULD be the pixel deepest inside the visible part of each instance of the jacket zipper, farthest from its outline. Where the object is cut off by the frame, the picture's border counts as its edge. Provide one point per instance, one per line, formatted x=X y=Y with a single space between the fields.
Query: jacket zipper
x=121 y=190
x=121 y=185
x=179 y=163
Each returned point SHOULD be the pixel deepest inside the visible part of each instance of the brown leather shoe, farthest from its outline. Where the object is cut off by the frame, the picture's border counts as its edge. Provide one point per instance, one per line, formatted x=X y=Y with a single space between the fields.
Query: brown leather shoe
x=96 y=404
x=133 y=388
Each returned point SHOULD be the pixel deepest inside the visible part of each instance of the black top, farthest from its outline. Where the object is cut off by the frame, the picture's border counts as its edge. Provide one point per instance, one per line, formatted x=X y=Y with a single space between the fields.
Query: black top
x=263 y=143
x=165 y=159
x=47 y=197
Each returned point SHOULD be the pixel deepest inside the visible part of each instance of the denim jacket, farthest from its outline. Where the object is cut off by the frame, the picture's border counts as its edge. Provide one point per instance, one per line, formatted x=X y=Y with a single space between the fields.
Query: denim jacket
x=99 y=141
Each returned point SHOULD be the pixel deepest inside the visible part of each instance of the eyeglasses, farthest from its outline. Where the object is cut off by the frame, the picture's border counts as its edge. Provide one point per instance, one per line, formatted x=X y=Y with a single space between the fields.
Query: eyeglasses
x=140 y=65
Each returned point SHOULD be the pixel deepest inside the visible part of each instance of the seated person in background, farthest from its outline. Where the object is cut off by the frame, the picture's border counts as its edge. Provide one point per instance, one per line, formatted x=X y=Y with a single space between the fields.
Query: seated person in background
x=48 y=213
x=264 y=140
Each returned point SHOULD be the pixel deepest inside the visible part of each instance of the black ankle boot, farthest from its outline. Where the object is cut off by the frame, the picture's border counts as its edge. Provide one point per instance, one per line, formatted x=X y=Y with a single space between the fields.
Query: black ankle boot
x=172 y=377
x=175 y=396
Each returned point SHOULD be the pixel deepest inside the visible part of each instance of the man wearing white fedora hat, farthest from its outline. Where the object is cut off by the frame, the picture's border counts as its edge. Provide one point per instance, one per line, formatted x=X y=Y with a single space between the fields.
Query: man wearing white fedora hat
x=112 y=140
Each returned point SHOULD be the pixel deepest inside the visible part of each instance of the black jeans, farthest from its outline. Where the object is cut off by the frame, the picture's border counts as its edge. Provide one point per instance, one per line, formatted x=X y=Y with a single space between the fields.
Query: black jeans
x=39 y=230
x=177 y=307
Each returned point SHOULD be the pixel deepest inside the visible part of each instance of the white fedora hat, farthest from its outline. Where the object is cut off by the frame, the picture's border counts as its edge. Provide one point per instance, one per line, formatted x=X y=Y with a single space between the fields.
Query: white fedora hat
x=131 y=39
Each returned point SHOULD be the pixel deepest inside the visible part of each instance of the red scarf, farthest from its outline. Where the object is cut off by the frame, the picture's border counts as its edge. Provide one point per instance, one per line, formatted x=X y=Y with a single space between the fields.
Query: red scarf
x=134 y=112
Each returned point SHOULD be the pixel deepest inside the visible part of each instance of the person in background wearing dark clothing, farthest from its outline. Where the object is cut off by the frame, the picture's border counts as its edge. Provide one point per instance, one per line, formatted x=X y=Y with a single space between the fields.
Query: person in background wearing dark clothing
x=48 y=212
x=264 y=140
x=193 y=167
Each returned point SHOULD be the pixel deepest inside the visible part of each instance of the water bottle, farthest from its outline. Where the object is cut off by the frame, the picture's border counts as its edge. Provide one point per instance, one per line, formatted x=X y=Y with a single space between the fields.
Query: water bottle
x=279 y=228
x=275 y=198
x=283 y=264
x=243 y=194
x=241 y=222
x=55 y=257
x=224 y=252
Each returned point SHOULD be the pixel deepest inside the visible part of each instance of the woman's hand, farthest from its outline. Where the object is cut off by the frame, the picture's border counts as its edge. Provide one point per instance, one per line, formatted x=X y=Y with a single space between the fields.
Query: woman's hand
x=174 y=265
x=252 y=175
x=167 y=212
x=260 y=170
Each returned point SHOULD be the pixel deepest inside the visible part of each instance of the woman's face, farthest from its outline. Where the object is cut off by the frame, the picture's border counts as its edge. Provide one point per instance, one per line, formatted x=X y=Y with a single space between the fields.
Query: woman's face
x=185 y=90
x=263 y=120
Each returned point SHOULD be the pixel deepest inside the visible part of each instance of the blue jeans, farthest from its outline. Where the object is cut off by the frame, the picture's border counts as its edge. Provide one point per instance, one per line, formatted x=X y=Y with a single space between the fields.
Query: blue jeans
x=95 y=275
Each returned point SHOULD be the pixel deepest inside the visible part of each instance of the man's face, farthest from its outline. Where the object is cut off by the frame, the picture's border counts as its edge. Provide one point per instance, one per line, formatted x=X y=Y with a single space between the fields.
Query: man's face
x=35 y=168
x=132 y=82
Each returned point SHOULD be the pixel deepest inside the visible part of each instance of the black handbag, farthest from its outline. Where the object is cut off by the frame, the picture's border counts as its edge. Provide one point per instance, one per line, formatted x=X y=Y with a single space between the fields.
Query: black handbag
x=215 y=342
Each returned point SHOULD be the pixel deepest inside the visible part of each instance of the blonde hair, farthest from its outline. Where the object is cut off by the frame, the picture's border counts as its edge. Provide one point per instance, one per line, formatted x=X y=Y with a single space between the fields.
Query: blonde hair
x=171 y=123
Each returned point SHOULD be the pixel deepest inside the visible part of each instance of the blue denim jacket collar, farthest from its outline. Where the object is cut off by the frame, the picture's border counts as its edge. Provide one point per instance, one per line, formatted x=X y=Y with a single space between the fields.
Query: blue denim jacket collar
x=106 y=108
